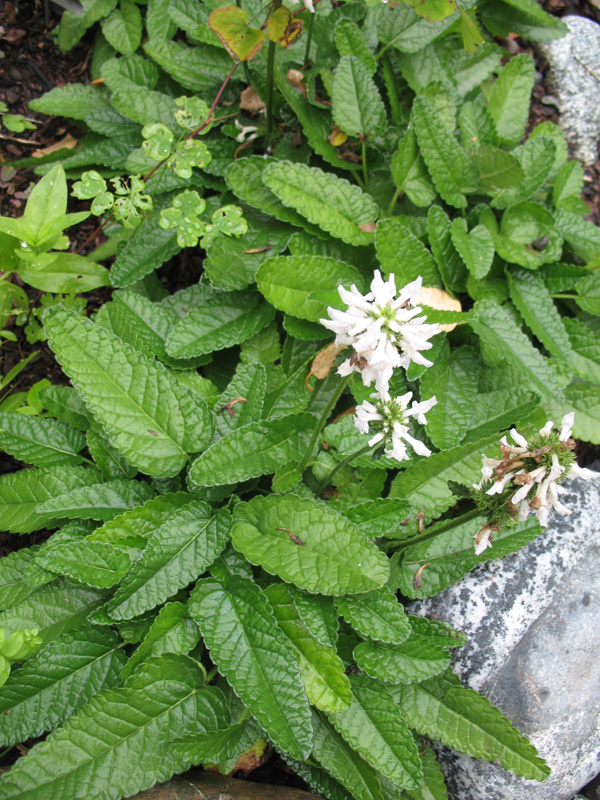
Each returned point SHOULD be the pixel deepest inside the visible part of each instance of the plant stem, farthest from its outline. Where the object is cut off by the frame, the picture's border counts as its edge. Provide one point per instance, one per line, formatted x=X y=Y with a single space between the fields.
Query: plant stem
x=356 y=454
x=309 y=39
x=564 y=296
x=397 y=194
x=271 y=77
x=364 y=164
x=322 y=420
x=453 y=523
x=214 y=671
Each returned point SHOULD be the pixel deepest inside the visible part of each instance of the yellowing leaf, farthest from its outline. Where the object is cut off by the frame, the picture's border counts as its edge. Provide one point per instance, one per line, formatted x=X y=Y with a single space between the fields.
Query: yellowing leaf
x=433 y=10
x=230 y=23
x=283 y=27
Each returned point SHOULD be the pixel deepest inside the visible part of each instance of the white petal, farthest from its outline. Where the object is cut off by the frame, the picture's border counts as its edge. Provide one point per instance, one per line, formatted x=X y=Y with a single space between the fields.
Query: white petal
x=547 y=429
x=518 y=439
x=582 y=472
x=566 y=427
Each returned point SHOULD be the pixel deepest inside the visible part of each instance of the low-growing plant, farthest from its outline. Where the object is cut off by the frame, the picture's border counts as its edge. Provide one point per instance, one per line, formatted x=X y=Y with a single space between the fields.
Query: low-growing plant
x=241 y=505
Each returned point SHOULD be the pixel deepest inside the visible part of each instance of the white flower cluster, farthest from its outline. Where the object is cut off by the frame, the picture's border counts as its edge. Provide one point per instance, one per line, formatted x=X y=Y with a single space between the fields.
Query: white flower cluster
x=308 y=5
x=520 y=465
x=386 y=332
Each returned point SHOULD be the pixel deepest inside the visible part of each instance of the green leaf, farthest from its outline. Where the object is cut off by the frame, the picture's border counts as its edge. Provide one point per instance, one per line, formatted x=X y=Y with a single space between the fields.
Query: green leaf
x=380 y=517
x=424 y=484
x=375 y=615
x=256 y=449
x=567 y=188
x=304 y=543
x=58 y=682
x=148 y=249
x=230 y=23
x=373 y=728
x=75 y=101
x=450 y=264
x=144 y=106
x=451 y=554
x=465 y=720
x=433 y=10
x=322 y=671
x=411 y=661
x=108 y=460
x=260 y=666
x=583 y=397
x=433 y=786
x=497 y=169
x=453 y=380
x=305 y=286
x=498 y=411
x=350 y=41
x=525 y=18
x=476 y=247
x=332 y=203
x=582 y=236
x=53 y=609
x=531 y=297
x=142 y=418
x=410 y=173
x=509 y=102
x=342 y=761
x=39 y=441
x=436 y=632
x=498 y=330
x=22 y=492
x=231 y=318
x=195 y=68
x=93 y=563
x=101 y=501
x=123 y=28
x=401 y=253
x=178 y=552
x=451 y=170
x=242 y=401
x=585 y=350
x=357 y=104
x=63 y=273
x=129 y=72
x=537 y=158
x=173 y=631
x=13 y=586
x=117 y=725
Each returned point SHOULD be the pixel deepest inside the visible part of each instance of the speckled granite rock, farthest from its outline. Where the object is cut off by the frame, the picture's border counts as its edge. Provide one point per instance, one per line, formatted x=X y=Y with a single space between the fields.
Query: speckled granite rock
x=533 y=622
x=575 y=70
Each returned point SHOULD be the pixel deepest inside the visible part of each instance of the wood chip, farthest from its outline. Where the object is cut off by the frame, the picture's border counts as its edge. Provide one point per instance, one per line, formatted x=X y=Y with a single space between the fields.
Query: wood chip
x=441 y=301
x=69 y=142
x=250 y=100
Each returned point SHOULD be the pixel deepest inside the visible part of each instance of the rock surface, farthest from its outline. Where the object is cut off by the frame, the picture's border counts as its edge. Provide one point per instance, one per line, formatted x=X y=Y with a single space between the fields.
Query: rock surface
x=533 y=623
x=196 y=785
x=575 y=70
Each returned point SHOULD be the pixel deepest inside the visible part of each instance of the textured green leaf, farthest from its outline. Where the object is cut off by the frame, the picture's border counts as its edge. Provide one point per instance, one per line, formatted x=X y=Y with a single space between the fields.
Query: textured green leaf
x=509 y=102
x=436 y=632
x=342 y=762
x=410 y=173
x=108 y=460
x=567 y=187
x=251 y=651
x=52 y=609
x=124 y=731
x=380 y=517
x=132 y=396
x=75 y=101
x=468 y=722
x=22 y=492
x=450 y=169
x=531 y=297
x=318 y=613
x=476 y=247
x=123 y=27
x=101 y=501
x=222 y=745
x=582 y=236
x=40 y=441
x=537 y=158
x=13 y=567
x=402 y=254
x=64 y=403
x=130 y=71
x=413 y=660
x=178 y=552
x=583 y=397
x=450 y=264
x=453 y=381
x=144 y=106
x=305 y=285
x=231 y=318
x=148 y=249
x=451 y=554
x=372 y=726
x=256 y=449
x=424 y=484
x=332 y=203
x=433 y=786
x=585 y=353
x=307 y=544
x=498 y=411
x=498 y=330
x=325 y=681
x=525 y=18
x=58 y=682
x=93 y=563
x=171 y=632
x=244 y=178
x=497 y=169
x=242 y=401
x=375 y=615
x=350 y=41
x=195 y=68
x=357 y=104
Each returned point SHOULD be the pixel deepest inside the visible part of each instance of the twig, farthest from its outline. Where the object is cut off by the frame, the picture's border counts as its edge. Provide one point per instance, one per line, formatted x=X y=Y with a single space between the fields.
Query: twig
x=20 y=141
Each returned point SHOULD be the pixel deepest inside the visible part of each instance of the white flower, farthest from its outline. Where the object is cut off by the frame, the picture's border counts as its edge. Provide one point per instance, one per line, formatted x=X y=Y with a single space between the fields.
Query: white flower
x=308 y=4
x=244 y=130
x=383 y=327
x=389 y=417
x=483 y=538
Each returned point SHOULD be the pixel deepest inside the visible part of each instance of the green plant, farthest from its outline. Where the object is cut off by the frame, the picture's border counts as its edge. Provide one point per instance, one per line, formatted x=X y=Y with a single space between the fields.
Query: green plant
x=238 y=524
x=16 y=123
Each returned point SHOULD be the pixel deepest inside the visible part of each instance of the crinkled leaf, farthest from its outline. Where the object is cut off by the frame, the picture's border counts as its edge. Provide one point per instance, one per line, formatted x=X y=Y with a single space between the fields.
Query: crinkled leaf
x=101 y=501
x=123 y=27
x=230 y=23
x=93 y=563
x=375 y=615
x=196 y=68
x=75 y=101
x=64 y=403
x=509 y=102
x=108 y=460
x=318 y=613
x=357 y=104
x=242 y=401
x=400 y=252
x=251 y=651
x=350 y=41
x=40 y=441
x=476 y=247
x=410 y=173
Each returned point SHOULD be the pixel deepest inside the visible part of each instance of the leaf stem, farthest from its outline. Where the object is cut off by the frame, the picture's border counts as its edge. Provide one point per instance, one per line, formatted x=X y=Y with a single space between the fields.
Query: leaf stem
x=397 y=194
x=565 y=296
x=271 y=77
x=212 y=674
x=309 y=39
x=344 y=463
x=322 y=420
x=364 y=163
x=428 y=534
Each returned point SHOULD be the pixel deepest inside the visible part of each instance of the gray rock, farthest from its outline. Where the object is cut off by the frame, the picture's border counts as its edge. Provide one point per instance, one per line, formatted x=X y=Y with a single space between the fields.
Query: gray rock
x=575 y=71
x=533 y=623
